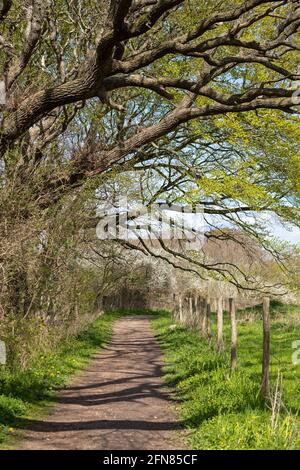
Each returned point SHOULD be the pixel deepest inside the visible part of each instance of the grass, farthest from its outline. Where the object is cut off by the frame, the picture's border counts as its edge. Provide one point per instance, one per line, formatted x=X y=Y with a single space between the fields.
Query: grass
x=224 y=411
x=221 y=411
x=24 y=394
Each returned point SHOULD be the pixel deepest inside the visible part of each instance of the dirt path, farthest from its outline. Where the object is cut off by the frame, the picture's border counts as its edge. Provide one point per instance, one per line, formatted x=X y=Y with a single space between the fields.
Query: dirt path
x=119 y=402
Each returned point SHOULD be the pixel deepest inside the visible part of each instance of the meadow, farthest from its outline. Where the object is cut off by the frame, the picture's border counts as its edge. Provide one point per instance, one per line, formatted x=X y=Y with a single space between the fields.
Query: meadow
x=223 y=410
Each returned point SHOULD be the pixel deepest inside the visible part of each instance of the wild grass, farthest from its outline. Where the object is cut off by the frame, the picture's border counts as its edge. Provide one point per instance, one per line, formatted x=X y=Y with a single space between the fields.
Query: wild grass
x=27 y=392
x=223 y=410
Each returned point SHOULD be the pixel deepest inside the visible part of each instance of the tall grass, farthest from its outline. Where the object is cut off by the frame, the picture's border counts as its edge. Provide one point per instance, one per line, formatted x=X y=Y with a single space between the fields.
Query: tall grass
x=223 y=410
x=26 y=391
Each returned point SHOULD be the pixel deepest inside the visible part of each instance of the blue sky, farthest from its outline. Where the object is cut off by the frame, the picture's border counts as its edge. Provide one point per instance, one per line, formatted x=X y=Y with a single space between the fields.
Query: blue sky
x=292 y=235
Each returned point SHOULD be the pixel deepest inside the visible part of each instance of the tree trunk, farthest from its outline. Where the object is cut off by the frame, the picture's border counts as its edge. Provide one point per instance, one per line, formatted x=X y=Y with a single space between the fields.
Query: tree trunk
x=232 y=310
x=220 y=340
x=265 y=385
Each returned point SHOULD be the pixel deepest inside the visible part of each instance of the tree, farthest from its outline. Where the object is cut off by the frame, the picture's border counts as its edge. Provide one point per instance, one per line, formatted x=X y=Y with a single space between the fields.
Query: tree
x=252 y=42
x=170 y=88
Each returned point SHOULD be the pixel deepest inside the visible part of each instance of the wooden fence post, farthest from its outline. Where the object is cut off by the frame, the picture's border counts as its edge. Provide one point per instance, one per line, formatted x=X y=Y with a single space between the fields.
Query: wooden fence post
x=190 y=317
x=199 y=314
x=175 y=307
x=180 y=308
x=232 y=310
x=208 y=318
x=195 y=312
x=186 y=307
x=265 y=384
x=220 y=340
x=204 y=318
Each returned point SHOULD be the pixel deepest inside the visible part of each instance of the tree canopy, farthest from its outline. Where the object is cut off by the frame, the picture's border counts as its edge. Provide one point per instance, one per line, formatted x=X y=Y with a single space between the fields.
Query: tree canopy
x=196 y=102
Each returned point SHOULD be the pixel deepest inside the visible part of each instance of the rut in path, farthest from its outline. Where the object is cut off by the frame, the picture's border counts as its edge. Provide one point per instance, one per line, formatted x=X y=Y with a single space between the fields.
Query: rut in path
x=119 y=402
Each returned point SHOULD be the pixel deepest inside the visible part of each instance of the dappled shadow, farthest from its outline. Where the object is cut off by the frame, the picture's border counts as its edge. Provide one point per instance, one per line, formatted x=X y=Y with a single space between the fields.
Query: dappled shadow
x=119 y=401
x=60 y=426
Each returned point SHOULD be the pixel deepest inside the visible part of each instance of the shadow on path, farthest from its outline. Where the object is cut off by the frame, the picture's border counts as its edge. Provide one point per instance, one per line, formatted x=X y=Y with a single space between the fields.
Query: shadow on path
x=119 y=402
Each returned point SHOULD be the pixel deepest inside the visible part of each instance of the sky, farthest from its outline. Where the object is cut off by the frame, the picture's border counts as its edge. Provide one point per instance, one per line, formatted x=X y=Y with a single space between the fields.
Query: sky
x=285 y=232
x=272 y=223
x=292 y=235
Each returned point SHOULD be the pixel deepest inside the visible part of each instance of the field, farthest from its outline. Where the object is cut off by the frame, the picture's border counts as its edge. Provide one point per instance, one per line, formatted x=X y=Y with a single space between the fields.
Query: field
x=224 y=411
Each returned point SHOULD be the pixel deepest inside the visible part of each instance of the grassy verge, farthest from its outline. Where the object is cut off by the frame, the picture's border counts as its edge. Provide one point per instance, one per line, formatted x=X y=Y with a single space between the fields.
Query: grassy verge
x=223 y=411
x=27 y=393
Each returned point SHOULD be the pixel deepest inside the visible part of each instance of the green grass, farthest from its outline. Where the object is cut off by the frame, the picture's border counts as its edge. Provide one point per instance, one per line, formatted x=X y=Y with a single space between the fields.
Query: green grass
x=28 y=393
x=278 y=310
x=224 y=411
x=221 y=411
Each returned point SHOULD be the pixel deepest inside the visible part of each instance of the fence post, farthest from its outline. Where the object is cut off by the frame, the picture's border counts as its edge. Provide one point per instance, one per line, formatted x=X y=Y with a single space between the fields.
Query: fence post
x=232 y=310
x=180 y=308
x=204 y=317
x=208 y=318
x=186 y=305
x=175 y=307
x=265 y=384
x=190 y=316
x=195 y=312
x=220 y=340
x=199 y=313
